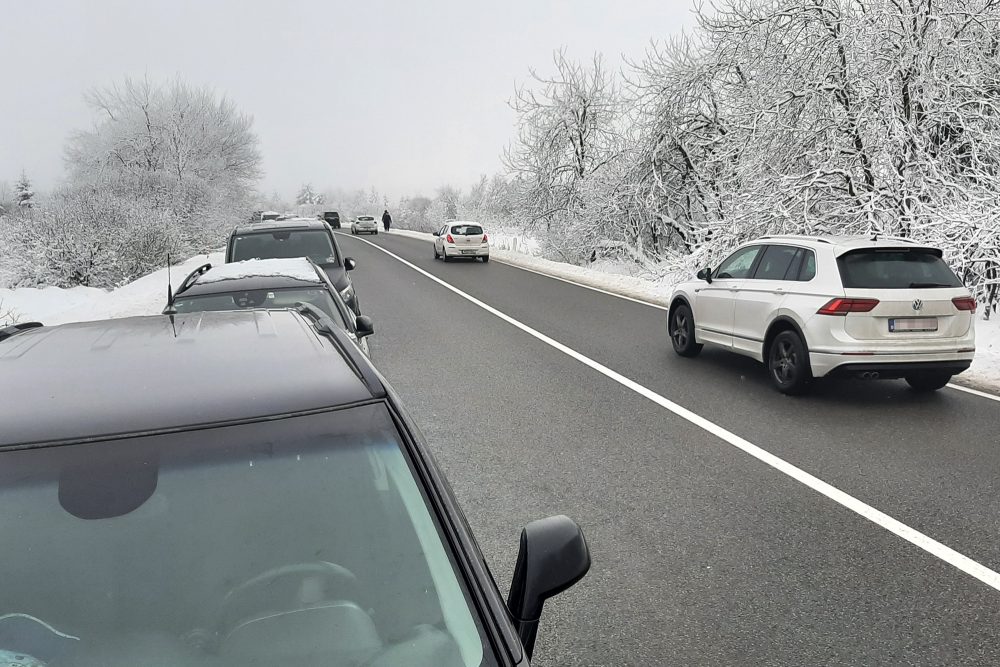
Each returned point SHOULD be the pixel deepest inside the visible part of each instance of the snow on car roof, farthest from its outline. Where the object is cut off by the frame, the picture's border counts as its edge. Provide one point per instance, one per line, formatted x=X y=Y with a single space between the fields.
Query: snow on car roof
x=298 y=268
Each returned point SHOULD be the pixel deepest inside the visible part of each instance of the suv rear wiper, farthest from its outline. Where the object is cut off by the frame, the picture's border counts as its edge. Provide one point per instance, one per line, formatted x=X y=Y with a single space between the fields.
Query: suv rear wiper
x=930 y=285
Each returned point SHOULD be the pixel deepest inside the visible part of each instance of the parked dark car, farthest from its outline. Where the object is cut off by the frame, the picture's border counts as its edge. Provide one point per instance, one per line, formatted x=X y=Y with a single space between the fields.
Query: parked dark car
x=298 y=237
x=240 y=489
x=268 y=284
x=332 y=218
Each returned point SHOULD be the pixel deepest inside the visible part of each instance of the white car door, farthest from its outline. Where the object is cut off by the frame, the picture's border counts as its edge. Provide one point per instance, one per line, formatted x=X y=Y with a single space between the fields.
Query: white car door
x=760 y=296
x=715 y=301
x=439 y=239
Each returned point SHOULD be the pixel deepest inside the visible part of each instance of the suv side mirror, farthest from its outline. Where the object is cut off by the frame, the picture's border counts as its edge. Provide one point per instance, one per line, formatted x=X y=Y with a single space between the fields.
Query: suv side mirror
x=350 y=264
x=363 y=326
x=553 y=556
x=706 y=275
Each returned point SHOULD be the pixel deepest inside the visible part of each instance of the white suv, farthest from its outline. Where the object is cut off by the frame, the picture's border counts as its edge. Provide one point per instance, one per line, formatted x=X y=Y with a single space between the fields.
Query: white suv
x=811 y=306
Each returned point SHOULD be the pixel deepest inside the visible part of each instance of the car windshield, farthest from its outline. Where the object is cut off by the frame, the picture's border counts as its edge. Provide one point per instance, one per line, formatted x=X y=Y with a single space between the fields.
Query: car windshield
x=303 y=541
x=314 y=244
x=262 y=298
x=895 y=269
x=467 y=230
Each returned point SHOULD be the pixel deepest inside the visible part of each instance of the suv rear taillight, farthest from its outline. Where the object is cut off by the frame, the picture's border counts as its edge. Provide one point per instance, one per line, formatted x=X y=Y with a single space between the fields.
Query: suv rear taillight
x=965 y=303
x=485 y=238
x=449 y=239
x=840 y=306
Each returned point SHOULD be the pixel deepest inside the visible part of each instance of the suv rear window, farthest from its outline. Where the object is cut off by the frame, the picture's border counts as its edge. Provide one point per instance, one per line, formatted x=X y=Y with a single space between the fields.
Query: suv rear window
x=895 y=268
x=314 y=244
x=467 y=230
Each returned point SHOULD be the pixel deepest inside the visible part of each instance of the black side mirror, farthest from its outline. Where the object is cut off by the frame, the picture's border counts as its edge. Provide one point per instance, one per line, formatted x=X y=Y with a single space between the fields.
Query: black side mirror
x=363 y=326
x=436 y=233
x=706 y=275
x=350 y=264
x=553 y=556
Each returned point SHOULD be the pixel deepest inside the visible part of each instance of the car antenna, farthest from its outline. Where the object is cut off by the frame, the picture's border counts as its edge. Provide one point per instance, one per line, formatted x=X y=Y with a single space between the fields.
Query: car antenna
x=169 y=310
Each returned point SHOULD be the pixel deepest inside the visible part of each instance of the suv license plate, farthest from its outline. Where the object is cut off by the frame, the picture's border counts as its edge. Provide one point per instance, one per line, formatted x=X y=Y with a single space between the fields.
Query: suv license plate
x=468 y=252
x=913 y=324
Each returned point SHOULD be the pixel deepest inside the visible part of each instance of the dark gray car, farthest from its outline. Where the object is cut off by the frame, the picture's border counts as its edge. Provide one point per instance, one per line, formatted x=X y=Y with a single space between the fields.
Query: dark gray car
x=298 y=237
x=240 y=489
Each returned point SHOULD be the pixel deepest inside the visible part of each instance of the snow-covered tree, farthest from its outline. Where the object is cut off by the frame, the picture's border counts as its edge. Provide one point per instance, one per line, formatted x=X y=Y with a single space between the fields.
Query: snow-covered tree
x=24 y=195
x=307 y=196
x=181 y=149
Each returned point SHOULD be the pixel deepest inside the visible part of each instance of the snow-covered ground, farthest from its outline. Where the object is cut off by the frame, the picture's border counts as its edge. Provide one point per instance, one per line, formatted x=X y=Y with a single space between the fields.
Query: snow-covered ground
x=54 y=305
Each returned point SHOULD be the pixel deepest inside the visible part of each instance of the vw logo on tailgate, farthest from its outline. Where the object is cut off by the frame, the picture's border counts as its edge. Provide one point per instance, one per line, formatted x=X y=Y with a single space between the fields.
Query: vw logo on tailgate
x=917 y=304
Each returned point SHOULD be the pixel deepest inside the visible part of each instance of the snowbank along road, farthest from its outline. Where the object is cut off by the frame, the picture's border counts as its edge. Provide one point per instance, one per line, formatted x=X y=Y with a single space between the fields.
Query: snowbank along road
x=729 y=524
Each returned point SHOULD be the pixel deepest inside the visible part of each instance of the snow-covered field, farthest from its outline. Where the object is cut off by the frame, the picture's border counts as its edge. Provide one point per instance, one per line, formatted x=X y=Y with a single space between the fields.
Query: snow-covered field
x=53 y=305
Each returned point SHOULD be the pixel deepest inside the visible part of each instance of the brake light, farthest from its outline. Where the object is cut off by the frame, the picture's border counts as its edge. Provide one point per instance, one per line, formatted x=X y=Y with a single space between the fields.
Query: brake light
x=485 y=238
x=965 y=303
x=841 y=306
x=449 y=239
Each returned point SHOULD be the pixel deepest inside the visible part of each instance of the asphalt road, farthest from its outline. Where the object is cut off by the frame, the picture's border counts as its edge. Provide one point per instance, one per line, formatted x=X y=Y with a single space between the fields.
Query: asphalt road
x=702 y=554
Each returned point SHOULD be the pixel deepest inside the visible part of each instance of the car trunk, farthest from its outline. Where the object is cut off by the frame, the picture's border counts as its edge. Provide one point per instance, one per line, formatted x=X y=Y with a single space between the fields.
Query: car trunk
x=467 y=237
x=915 y=291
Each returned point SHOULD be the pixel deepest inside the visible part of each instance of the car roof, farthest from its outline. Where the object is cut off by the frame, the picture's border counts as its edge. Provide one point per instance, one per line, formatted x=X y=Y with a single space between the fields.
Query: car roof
x=252 y=274
x=280 y=225
x=843 y=244
x=93 y=380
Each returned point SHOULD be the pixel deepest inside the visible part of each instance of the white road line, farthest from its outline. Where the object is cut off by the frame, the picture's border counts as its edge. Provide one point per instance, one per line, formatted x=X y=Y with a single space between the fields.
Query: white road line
x=911 y=535
x=975 y=392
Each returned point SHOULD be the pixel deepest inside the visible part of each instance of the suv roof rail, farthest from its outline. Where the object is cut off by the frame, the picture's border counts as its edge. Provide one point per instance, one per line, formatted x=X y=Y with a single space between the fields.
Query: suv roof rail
x=348 y=350
x=13 y=329
x=811 y=237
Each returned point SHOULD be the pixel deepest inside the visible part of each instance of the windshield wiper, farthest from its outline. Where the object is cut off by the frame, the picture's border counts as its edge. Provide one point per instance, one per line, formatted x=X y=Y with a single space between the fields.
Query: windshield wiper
x=930 y=285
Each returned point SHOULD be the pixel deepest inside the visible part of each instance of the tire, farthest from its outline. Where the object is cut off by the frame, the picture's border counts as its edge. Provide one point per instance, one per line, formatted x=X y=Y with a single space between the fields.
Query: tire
x=444 y=256
x=681 y=330
x=788 y=364
x=486 y=258
x=928 y=381
x=436 y=255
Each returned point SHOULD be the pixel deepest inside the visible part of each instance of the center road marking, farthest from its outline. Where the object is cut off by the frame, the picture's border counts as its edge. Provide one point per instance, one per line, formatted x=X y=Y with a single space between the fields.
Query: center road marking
x=930 y=545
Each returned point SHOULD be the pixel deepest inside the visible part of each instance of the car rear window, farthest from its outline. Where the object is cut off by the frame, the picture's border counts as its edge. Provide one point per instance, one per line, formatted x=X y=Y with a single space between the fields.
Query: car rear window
x=467 y=230
x=314 y=244
x=366 y=218
x=262 y=298
x=895 y=268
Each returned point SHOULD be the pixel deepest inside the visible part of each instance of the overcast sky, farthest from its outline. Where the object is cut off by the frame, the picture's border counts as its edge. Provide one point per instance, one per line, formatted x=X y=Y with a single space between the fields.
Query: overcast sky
x=404 y=96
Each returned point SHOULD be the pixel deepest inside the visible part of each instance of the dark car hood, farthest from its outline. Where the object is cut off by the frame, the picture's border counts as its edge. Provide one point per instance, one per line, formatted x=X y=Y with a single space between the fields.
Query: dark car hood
x=337 y=275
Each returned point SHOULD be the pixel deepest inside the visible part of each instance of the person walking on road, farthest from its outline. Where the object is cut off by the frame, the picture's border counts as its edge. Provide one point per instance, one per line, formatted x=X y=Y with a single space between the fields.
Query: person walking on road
x=386 y=220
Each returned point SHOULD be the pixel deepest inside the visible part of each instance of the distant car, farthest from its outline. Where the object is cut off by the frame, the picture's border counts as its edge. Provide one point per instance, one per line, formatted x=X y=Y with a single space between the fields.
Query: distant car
x=461 y=239
x=813 y=306
x=364 y=224
x=332 y=218
x=299 y=237
x=268 y=284
x=241 y=489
